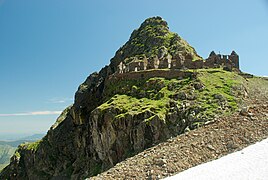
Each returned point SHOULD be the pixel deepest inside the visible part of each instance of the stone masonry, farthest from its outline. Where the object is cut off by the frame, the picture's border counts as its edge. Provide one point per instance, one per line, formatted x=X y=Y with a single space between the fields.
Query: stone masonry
x=134 y=64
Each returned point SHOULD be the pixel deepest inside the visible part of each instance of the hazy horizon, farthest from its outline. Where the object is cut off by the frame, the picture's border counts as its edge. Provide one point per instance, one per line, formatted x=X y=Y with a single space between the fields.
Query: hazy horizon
x=17 y=136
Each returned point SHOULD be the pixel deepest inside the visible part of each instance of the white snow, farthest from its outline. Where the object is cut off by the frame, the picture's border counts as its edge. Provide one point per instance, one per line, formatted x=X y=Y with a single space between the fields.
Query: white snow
x=249 y=163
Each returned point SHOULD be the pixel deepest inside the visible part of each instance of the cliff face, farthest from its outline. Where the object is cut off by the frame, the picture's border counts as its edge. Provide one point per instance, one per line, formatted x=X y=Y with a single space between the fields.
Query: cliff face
x=114 y=117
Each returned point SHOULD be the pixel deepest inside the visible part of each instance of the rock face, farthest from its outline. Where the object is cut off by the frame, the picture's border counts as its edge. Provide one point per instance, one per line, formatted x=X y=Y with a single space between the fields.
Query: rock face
x=114 y=117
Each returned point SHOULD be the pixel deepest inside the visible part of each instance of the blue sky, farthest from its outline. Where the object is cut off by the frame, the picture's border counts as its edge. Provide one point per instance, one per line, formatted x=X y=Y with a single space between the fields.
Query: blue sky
x=48 y=48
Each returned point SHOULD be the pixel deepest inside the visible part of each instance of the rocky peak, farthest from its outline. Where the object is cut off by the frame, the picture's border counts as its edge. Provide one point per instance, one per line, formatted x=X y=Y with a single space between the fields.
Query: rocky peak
x=153 y=38
x=154 y=21
x=151 y=27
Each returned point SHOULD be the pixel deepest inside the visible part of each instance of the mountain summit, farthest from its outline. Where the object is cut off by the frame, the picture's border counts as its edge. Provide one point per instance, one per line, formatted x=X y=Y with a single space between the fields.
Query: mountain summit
x=155 y=87
x=153 y=38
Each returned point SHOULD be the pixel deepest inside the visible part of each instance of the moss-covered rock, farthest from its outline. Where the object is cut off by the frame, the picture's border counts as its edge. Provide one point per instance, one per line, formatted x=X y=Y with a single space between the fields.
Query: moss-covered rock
x=153 y=38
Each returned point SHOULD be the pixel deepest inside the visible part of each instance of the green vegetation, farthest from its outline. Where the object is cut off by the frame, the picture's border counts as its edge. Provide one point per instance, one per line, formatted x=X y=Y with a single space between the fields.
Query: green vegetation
x=221 y=83
x=33 y=146
x=134 y=96
x=17 y=154
x=211 y=93
x=8 y=148
x=154 y=38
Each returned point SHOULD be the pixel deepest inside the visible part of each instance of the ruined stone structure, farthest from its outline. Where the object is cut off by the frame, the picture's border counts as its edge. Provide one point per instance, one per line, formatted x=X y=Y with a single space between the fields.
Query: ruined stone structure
x=217 y=60
x=134 y=64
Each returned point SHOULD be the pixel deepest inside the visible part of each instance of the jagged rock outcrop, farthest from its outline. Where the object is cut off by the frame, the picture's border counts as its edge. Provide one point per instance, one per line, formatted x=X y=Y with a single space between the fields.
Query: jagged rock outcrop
x=154 y=41
x=113 y=119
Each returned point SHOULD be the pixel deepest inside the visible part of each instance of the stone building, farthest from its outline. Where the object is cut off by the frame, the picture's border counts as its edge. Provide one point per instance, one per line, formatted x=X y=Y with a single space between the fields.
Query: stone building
x=216 y=60
x=179 y=61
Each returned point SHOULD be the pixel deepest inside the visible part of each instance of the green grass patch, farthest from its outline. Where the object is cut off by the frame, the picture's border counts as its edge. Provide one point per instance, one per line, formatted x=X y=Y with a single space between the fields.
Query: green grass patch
x=33 y=146
x=218 y=83
x=17 y=154
x=153 y=96
x=134 y=97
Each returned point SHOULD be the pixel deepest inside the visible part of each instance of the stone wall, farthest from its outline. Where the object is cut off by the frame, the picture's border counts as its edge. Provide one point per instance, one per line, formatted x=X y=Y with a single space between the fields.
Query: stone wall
x=216 y=60
x=165 y=73
x=179 y=62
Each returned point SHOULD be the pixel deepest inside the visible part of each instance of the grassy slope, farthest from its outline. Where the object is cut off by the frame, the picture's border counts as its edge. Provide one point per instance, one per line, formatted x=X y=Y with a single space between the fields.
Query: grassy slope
x=220 y=94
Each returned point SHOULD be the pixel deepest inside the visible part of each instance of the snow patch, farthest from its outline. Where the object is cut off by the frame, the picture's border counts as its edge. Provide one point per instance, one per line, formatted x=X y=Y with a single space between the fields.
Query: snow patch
x=249 y=163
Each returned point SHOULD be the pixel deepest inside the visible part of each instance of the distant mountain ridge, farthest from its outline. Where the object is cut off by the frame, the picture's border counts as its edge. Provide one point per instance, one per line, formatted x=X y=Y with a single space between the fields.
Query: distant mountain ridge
x=33 y=137
x=8 y=148
x=20 y=136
